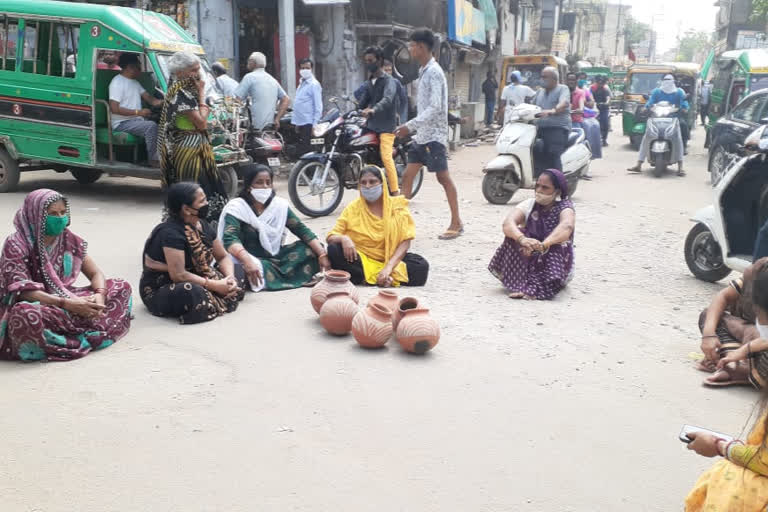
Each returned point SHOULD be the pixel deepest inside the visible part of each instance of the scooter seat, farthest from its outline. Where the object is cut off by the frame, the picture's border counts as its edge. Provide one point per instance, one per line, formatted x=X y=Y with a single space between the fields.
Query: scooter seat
x=576 y=136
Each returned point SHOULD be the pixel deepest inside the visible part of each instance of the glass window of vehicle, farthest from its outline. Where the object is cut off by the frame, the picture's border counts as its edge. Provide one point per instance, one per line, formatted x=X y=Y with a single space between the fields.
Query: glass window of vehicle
x=531 y=75
x=758 y=83
x=644 y=83
x=749 y=109
x=68 y=37
x=9 y=35
x=211 y=87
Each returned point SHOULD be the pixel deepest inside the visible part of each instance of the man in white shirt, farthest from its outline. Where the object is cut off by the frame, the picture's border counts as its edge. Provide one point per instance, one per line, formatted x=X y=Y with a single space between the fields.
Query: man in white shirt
x=514 y=94
x=125 y=95
x=227 y=84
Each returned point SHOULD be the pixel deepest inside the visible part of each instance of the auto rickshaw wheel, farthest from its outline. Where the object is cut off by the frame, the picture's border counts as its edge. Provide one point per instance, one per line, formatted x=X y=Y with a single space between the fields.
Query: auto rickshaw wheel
x=229 y=180
x=9 y=172
x=86 y=176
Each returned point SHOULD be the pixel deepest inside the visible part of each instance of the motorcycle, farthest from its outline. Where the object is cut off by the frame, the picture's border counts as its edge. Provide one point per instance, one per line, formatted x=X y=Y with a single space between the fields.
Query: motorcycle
x=662 y=129
x=514 y=167
x=723 y=238
x=347 y=147
x=291 y=139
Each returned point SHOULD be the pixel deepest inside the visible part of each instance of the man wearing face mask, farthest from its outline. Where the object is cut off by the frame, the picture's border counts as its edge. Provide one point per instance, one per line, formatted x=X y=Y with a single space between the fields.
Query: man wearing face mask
x=670 y=93
x=377 y=102
x=308 y=105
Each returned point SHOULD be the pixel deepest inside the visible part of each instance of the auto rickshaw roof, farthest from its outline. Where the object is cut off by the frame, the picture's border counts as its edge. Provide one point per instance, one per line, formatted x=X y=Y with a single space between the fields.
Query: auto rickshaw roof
x=523 y=60
x=752 y=61
x=149 y=29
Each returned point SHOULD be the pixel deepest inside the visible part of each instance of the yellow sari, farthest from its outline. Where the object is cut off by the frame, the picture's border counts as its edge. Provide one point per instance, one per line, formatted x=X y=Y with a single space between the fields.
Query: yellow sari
x=376 y=238
x=729 y=487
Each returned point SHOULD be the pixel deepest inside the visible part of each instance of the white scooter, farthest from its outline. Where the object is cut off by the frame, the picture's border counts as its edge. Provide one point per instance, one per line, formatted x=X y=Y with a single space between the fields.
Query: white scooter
x=514 y=167
x=663 y=132
x=723 y=238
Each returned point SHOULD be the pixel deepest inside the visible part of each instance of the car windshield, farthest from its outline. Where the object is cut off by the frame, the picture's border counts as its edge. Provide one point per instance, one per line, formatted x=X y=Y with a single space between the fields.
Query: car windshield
x=644 y=83
x=531 y=75
x=211 y=86
x=758 y=83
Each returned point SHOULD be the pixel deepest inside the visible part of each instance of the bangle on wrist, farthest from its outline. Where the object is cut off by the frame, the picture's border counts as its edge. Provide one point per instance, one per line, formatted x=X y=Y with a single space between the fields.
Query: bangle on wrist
x=205 y=285
x=61 y=302
x=711 y=336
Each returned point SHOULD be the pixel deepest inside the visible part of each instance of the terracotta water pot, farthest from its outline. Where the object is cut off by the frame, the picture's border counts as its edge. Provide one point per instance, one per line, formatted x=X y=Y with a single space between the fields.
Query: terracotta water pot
x=386 y=298
x=372 y=326
x=403 y=305
x=334 y=281
x=337 y=313
x=417 y=332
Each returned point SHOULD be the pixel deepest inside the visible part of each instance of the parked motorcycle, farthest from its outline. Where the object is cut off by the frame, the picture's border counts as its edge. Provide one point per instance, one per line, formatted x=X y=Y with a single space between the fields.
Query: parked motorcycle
x=723 y=238
x=514 y=167
x=290 y=138
x=317 y=181
x=662 y=129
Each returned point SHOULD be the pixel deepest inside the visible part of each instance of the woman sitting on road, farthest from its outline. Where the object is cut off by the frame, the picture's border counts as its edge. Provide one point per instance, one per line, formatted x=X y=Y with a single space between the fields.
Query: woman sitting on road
x=372 y=237
x=185 y=149
x=536 y=259
x=738 y=482
x=42 y=314
x=179 y=279
x=728 y=325
x=252 y=228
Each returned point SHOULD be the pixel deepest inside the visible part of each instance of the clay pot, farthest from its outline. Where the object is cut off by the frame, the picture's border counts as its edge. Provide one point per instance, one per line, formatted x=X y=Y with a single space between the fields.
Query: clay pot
x=337 y=313
x=417 y=332
x=372 y=326
x=386 y=298
x=402 y=306
x=334 y=281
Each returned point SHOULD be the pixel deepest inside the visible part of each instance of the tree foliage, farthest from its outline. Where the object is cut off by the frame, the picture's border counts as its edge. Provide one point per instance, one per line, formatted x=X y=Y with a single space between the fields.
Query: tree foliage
x=759 y=10
x=692 y=44
x=636 y=32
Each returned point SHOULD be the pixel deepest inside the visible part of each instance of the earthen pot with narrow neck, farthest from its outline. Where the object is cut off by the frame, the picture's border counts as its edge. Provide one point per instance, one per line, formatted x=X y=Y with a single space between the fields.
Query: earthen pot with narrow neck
x=372 y=326
x=334 y=281
x=337 y=313
x=386 y=298
x=403 y=305
x=417 y=332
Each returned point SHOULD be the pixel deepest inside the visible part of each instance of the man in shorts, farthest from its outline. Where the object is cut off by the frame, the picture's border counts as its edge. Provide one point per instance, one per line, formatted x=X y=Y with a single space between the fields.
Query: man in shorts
x=430 y=127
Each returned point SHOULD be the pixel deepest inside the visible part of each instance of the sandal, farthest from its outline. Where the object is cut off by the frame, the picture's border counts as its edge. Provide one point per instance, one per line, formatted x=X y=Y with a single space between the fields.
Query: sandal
x=451 y=234
x=315 y=279
x=712 y=381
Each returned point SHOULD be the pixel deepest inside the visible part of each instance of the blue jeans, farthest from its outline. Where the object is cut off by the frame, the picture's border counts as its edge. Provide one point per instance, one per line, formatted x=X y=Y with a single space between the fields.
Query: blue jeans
x=489 y=106
x=761 y=243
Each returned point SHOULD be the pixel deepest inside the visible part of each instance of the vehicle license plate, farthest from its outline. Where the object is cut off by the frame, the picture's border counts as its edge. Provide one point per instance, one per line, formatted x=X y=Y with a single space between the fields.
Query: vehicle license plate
x=317 y=142
x=659 y=146
x=273 y=162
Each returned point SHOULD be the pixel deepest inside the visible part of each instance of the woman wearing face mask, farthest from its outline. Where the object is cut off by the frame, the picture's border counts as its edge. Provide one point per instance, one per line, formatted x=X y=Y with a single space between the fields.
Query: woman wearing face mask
x=535 y=261
x=180 y=279
x=185 y=149
x=738 y=481
x=727 y=327
x=372 y=237
x=42 y=314
x=253 y=228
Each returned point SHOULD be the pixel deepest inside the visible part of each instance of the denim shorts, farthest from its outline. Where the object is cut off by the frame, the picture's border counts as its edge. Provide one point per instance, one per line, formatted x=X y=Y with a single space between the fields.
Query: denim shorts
x=431 y=154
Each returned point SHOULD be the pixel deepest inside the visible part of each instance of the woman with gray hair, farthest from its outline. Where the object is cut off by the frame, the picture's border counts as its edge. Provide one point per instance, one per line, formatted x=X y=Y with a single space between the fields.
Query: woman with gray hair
x=185 y=149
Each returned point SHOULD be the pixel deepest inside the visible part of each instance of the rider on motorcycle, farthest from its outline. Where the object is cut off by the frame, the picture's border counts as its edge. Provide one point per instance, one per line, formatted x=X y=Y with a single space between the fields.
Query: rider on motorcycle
x=672 y=94
x=554 y=120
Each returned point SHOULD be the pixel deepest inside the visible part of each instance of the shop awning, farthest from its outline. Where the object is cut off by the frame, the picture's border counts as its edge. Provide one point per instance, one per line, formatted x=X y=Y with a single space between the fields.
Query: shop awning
x=325 y=2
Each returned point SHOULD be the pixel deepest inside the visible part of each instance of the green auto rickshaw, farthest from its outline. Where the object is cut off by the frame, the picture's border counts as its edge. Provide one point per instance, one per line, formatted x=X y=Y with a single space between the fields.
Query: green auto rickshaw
x=54 y=82
x=641 y=80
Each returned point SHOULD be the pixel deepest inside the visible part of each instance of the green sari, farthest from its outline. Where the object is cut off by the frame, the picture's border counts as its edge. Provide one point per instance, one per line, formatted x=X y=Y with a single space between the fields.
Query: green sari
x=292 y=267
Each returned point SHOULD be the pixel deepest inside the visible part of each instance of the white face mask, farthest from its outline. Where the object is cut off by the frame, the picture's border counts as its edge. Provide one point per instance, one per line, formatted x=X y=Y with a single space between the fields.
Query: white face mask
x=306 y=74
x=762 y=329
x=544 y=199
x=668 y=86
x=261 y=195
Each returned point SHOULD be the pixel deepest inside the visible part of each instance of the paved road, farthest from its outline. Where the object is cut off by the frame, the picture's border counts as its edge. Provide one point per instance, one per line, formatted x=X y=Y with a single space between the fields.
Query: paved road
x=570 y=405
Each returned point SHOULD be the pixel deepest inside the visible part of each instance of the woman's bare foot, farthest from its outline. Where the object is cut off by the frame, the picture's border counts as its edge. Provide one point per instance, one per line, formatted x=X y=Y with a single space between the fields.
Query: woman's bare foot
x=706 y=366
x=528 y=297
x=516 y=295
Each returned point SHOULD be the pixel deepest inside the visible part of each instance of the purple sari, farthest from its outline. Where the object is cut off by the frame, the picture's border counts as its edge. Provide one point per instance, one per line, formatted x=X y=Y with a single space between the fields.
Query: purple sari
x=541 y=276
x=33 y=331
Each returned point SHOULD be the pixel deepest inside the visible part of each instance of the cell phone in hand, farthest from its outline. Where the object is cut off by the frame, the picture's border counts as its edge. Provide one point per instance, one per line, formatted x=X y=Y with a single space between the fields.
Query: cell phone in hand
x=687 y=429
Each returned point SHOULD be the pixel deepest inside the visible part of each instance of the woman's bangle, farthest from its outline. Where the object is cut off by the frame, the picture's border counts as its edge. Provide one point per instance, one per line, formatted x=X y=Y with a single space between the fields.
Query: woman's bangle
x=711 y=336
x=100 y=291
x=205 y=285
x=729 y=447
x=61 y=302
x=323 y=255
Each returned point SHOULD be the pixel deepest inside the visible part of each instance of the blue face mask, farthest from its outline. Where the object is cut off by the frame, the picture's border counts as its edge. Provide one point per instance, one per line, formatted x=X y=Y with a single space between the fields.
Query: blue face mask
x=372 y=194
x=582 y=82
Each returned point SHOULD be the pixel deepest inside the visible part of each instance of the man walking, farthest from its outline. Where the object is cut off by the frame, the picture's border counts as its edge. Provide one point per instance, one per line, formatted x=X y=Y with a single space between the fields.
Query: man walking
x=125 y=97
x=308 y=106
x=490 y=86
x=706 y=95
x=430 y=127
x=554 y=120
x=602 y=96
x=227 y=84
x=378 y=101
x=264 y=92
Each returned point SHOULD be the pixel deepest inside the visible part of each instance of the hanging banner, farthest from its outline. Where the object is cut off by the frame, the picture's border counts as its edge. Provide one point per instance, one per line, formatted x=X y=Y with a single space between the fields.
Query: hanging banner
x=465 y=23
